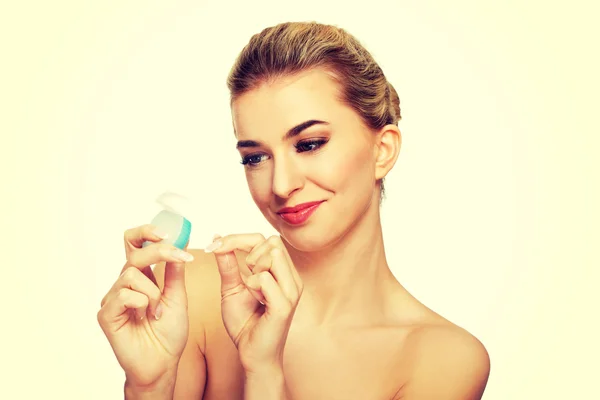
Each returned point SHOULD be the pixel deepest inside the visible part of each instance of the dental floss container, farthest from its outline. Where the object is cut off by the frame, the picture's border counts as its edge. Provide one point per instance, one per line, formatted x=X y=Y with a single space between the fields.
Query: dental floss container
x=171 y=219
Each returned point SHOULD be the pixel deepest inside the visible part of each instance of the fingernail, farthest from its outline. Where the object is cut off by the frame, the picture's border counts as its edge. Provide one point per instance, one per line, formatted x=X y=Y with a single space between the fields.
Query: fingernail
x=213 y=246
x=158 y=312
x=182 y=255
x=160 y=233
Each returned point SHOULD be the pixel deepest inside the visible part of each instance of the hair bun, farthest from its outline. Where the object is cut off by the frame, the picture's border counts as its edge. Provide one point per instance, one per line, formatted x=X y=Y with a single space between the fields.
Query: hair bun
x=394 y=103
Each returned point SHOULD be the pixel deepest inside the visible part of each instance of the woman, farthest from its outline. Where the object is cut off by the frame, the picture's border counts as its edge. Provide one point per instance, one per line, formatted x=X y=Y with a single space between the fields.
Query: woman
x=313 y=313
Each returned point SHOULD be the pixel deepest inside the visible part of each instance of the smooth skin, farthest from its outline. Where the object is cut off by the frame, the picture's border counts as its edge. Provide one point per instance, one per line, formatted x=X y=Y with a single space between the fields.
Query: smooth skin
x=311 y=313
x=147 y=327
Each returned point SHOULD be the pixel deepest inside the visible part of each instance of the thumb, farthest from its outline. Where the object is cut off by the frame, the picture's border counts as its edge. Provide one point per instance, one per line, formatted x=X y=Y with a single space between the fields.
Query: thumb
x=229 y=271
x=175 y=279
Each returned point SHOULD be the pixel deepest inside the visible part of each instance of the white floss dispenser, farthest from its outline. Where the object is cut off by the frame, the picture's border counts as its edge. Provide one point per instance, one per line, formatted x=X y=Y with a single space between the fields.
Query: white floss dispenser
x=171 y=219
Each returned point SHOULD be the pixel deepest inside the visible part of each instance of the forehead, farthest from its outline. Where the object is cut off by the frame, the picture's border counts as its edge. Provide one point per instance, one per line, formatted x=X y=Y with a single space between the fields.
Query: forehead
x=277 y=106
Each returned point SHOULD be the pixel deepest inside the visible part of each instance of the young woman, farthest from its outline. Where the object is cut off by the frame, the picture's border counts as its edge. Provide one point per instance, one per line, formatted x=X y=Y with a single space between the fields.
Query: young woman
x=314 y=312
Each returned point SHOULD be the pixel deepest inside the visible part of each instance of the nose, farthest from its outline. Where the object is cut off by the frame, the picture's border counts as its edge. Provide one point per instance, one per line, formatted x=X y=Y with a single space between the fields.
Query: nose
x=287 y=177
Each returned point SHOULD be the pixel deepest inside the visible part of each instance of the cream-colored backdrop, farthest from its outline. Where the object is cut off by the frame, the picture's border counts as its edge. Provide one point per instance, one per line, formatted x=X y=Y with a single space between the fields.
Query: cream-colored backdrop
x=492 y=210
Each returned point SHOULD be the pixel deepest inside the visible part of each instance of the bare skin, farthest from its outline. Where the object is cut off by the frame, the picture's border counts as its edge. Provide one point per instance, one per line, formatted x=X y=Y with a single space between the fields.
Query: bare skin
x=337 y=324
x=346 y=360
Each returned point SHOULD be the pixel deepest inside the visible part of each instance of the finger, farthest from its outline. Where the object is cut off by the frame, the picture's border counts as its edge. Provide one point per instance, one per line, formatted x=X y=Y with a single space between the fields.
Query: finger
x=150 y=274
x=155 y=253
x=256 y=293
x=258 y=252
x=275 y=241
x=277 y=305
x=281 y=269
x=277 y=264
x=264 y=263
x=174 y=284
x=134 y=279
x=245 y=242
x=123 y=301
x=231 y=279
x=174 y=287
x=135 y=237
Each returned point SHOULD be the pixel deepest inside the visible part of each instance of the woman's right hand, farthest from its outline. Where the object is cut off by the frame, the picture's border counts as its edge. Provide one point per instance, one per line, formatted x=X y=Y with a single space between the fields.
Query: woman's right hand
x=147 y=329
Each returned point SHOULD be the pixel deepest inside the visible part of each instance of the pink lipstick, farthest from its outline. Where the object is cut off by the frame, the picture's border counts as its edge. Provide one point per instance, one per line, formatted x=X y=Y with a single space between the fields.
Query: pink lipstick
x=300 y=213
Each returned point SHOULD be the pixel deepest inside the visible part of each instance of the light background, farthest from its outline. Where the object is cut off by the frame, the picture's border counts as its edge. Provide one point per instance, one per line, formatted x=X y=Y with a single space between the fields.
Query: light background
x=492 y=210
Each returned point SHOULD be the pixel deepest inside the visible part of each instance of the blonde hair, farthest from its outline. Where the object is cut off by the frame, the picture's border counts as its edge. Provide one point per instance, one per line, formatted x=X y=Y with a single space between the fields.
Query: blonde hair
x=293 y=47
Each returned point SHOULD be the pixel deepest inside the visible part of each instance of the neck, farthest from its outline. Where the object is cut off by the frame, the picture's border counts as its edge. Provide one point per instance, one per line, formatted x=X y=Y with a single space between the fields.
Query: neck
x=348 y=281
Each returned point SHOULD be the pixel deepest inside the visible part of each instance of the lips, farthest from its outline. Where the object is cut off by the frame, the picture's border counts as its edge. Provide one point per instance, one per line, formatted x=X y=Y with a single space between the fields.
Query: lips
x=299 y=207
x=299 y=213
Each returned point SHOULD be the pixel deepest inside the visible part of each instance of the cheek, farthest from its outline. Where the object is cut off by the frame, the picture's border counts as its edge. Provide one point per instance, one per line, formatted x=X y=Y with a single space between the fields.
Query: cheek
x=347 y=169
x=259 y=184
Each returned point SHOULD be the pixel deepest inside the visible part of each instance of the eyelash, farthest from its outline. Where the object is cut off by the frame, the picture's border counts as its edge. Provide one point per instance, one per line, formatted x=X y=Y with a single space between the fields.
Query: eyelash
x=300 y=148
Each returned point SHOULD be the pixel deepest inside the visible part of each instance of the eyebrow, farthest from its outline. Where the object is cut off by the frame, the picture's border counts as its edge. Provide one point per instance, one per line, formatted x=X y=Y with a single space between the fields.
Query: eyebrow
x=295 y=131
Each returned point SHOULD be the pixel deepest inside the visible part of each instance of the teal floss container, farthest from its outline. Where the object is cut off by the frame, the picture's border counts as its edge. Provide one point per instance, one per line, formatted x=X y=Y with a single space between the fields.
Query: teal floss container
x=171 y=220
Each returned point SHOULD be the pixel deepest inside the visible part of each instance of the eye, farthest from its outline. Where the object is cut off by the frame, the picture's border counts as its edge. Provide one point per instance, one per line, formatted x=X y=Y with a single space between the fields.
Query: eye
x=252 y=160
x=309 y=145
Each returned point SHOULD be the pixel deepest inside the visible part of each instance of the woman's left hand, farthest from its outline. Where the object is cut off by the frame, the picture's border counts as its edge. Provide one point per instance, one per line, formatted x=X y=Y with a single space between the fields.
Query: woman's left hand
x=257 y=310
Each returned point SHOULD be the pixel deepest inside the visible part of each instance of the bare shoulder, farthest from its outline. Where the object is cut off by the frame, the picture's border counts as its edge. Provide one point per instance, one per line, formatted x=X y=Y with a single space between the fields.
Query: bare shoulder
x=446 y=361
x=203 y=292
x=202 y=284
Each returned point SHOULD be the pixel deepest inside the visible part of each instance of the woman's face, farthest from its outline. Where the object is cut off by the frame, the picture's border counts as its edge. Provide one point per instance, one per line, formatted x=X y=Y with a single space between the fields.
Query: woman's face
x=300 y=144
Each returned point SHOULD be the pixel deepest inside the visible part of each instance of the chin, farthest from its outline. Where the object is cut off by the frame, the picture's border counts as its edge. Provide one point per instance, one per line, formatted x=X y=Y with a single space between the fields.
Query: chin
x=306 y=242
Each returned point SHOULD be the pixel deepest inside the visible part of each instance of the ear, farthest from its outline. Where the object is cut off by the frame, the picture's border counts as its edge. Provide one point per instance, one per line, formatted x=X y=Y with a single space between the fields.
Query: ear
x=387 y=150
